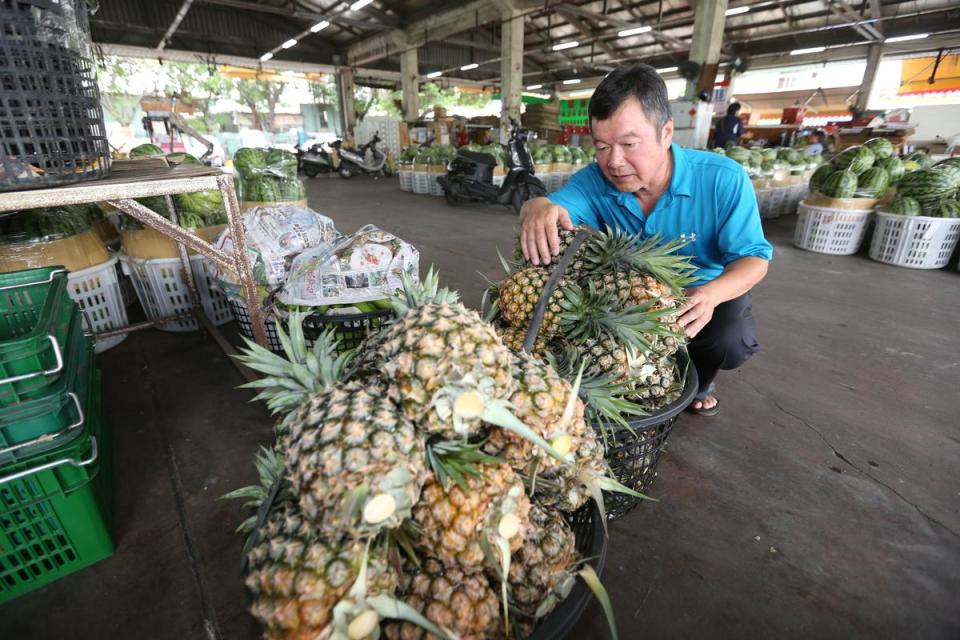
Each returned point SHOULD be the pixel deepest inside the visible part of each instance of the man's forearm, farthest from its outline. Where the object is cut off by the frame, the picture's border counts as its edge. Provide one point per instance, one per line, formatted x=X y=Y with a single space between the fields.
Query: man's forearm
x=737 y=278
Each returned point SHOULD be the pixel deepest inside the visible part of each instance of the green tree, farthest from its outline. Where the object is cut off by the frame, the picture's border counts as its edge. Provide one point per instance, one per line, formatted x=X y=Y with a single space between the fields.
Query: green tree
x=261 y=97
x=117 y=93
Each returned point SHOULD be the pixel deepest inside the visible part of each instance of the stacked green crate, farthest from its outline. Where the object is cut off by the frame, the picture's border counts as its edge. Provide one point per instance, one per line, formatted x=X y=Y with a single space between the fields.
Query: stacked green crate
x=55 y=449
x=574 y=112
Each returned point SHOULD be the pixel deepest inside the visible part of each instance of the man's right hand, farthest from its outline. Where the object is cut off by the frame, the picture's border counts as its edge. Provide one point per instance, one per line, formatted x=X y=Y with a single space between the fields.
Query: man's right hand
x=539 y=239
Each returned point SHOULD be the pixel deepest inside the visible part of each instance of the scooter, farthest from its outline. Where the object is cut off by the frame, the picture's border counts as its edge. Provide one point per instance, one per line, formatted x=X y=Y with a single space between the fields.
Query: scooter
x=316 y=159
x=353 y=162
x=470 y=175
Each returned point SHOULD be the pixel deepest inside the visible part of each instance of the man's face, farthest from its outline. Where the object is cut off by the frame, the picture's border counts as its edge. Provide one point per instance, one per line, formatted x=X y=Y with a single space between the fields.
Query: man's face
x=628 y=150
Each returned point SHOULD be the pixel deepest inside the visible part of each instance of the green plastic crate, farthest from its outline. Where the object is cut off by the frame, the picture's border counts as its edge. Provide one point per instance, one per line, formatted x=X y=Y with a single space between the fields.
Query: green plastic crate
x=36 y=314
x=43 y=540
x=52 y=420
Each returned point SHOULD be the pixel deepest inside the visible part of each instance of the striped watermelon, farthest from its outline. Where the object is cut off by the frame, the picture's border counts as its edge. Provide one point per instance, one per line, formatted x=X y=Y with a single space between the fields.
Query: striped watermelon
x=927 y=186
x=949 y=169
x=855 y=159
x=904 y=206
x=872 y=183
x=820 y=176
x=841 y=184
x=921 y=158
x=893 y=166
x=949 y=209
x=881 y=147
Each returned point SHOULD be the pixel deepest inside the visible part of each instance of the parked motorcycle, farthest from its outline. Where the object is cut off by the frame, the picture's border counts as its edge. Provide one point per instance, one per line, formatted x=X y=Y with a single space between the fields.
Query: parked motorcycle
x=470 y=175
x=370 y=159
x=316 y=159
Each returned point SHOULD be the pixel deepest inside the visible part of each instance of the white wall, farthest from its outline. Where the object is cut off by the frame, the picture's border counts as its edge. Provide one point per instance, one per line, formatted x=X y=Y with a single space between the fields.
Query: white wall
x=935 y=122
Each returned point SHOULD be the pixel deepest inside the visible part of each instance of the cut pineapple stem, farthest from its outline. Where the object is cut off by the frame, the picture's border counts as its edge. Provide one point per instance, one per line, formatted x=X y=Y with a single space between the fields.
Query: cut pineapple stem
x=379 y=508
x=500 y=416
x=390 y=607
x=362 y=626
x=509 y=526
x=469 y=405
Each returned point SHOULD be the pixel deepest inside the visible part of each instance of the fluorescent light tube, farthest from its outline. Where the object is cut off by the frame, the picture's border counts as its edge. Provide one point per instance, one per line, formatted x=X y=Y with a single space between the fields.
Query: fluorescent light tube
x=467 y=67
x=435 y=74
x=916 y=36
x=566 y=45
x=266 y=56
x=534 y=86
x=736 y=11
x=289 y=43
x=667 y=69
x=572 y=81
x=359 y=4
x=632 y=32
x=320 y=26
x=800 y=52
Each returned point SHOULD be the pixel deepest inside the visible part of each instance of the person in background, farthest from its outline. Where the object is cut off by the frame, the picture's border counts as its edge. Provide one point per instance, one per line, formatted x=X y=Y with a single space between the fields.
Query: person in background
x=814 y=143
x=729 y=128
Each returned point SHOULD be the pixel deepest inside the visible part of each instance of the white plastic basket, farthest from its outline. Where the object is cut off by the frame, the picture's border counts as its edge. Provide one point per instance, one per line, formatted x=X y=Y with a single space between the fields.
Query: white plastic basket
x=162 y=290
x=406 y=180
x=498 y=181
x=918 y=242
x=96 y=290
x=834 y=231
x=435 y=188
x=421 y=182
x=797 y=193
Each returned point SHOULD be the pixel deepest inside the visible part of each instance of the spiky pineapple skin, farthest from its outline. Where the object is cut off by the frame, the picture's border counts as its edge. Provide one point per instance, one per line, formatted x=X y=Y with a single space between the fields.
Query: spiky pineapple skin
x=539 y=401
x=519 y=294
x=343 y=438
x=566 y=488
x=430 y=346
x=296 y=578
x=635 y=288
x=462 y=603
x=455 y=520
x=545 y=561
x=513 y=338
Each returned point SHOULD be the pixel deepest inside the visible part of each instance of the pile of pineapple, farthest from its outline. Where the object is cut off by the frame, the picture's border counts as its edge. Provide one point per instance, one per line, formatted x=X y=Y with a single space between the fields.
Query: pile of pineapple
x=614 y=311
x=417 y=487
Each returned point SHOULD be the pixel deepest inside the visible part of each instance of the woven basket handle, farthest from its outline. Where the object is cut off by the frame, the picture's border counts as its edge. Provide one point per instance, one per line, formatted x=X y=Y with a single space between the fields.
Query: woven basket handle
x=562 y=265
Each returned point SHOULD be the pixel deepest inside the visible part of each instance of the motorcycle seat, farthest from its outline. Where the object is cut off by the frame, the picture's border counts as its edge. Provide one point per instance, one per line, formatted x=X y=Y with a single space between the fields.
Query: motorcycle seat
x=478 y=157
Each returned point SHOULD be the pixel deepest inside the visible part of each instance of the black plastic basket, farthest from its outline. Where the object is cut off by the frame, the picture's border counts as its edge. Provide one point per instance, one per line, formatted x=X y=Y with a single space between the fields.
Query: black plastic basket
x=633 y=453
x=350 y=329
x=51 y=121
x=591 y=537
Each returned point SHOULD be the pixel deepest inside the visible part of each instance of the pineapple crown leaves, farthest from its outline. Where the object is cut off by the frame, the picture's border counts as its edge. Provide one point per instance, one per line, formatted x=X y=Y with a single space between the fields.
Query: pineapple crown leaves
x=289 y=381
x=617 y=249
x=595 y=314
x=592 y=581
x=418 y=294
x=358 y=615
x=454 y=461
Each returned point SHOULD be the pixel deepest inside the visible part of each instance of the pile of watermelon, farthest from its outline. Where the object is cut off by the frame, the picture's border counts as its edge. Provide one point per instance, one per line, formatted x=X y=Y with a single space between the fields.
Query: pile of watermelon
x=931 y=190
x=763 y=163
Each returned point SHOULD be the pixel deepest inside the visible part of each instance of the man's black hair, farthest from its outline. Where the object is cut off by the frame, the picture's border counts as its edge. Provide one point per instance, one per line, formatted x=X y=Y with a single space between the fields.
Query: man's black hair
x=733 y=109
x=640 y=81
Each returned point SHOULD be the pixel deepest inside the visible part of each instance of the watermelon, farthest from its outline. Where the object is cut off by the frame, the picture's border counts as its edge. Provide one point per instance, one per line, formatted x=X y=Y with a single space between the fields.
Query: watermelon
x=146 y=151
x=756 y=158
x=719 y=150
x=893 y=166
x=820 y=175
x=927 y=186
x=904 y=206
x=855 y=159
x=949 y=209
x=881 y=147
x=769 y=155
x=841 y=184
x=951 y=170
x=872 y=183
x=921 y=158
x=911 y=165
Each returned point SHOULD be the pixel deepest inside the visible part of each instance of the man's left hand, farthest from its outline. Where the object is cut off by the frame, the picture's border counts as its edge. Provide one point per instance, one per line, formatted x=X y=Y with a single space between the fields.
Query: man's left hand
x=697 y=311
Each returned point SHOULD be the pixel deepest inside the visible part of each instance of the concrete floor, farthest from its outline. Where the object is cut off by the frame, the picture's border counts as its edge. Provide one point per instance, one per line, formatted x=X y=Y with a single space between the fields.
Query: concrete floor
x=823 y=501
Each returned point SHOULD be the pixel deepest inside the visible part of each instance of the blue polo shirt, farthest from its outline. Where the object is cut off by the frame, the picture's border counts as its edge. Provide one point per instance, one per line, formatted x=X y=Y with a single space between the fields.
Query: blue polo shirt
x=710 y=203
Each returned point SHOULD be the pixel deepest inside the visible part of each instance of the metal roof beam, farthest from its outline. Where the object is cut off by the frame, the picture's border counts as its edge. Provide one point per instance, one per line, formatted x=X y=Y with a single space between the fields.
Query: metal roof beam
x=309 y=16
x=177 y=19
x=845 y=11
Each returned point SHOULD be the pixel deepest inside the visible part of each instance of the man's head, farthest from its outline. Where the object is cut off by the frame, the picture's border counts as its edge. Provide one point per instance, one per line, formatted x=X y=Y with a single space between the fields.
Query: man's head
x=632 y=127
x=733 y=109
x=814 y=137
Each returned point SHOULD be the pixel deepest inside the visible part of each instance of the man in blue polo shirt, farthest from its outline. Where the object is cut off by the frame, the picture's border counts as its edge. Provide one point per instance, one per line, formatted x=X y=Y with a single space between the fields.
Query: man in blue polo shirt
x=643 y=183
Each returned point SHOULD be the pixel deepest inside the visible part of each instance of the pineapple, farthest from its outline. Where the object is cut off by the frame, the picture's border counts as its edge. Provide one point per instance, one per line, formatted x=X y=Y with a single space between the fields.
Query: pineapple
x=542 y=570
x=549 y=406
x=576 y=266
x=295 y=576
x=356 y=463
x=290 y=381
x=519 y=294
x=436 y=343
x=461 y=603
x=513 y=337
x=459 y=520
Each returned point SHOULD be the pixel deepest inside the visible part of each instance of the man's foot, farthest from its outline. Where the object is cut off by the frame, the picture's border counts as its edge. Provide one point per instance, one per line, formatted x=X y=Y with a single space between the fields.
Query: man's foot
x=706 y=406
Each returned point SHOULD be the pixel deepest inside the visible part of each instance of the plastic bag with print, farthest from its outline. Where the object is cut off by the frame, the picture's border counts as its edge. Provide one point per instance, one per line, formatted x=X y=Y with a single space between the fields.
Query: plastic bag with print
x=360 y=268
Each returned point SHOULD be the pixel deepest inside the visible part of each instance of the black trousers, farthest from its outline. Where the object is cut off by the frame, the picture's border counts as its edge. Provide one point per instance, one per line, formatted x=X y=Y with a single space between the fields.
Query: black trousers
x=728 y=340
